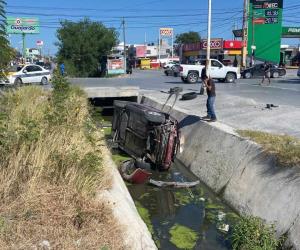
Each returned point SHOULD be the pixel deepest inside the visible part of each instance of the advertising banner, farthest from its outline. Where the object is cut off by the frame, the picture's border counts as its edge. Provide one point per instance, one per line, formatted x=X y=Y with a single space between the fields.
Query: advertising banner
x=22 y=25
x=115 y=66
x=265 y=29
x=291 y=32
x=141 y=51
x=232 y=44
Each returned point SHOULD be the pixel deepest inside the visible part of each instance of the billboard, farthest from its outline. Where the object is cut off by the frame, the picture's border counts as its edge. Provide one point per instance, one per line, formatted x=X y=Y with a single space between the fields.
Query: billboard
x=22 y=25
x=291 y=32
x=265 y=29
x=141 y=51
x=166 y=32
x=115 y=66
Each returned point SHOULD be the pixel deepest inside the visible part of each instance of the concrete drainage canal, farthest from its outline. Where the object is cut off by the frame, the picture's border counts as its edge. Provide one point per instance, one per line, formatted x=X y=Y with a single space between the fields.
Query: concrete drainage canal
x=178 y=218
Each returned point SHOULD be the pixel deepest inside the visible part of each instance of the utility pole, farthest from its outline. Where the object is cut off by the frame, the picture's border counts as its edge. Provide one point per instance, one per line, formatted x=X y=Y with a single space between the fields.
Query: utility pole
x=208 y=39
x=124 y=39
x=245 y=34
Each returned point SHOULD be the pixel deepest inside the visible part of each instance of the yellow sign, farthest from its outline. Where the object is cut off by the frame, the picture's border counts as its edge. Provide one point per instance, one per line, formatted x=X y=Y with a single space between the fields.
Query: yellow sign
x=232 y=52
x=145 y=63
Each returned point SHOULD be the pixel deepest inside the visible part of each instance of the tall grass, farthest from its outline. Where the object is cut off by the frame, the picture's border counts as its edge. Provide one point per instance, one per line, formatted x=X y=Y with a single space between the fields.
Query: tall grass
x=50 y=168
x=285 y=148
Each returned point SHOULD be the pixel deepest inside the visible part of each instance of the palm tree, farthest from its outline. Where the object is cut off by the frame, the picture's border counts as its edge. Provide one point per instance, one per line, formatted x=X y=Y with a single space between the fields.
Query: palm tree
x=5 y=49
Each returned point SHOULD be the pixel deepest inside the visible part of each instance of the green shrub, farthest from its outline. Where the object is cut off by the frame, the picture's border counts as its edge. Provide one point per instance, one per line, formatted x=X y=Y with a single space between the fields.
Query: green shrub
x=251 y=233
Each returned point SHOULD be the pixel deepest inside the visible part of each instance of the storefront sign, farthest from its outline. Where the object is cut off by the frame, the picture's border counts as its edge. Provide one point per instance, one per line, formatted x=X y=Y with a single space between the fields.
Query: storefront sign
x=22 y=25
x=291 y=32
x=216 y=43
x=232 y=44
x=115 y=66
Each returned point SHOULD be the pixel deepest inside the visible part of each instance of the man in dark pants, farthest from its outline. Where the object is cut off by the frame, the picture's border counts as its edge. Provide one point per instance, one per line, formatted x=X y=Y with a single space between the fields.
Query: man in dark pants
x=267 y=73
x=211 y=96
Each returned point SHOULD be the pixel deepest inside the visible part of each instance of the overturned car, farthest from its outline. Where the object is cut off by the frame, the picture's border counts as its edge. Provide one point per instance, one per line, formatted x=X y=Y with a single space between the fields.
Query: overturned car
x=146 y=134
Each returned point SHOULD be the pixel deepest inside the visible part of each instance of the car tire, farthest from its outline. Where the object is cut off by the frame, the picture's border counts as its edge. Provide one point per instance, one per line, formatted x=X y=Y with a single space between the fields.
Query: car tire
x=192 y=77
x=189 y=96
x=248 y=75
x=230 y=78
x=275 y=74
x=175 y=74
x=44 y=81
x=183 y=79
x=18 y=82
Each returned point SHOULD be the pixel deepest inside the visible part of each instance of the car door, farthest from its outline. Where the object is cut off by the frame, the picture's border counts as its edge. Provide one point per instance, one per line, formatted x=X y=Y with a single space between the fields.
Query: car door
x=217 y=70
x=258 y=70
x=39 y=72
x=28 y=74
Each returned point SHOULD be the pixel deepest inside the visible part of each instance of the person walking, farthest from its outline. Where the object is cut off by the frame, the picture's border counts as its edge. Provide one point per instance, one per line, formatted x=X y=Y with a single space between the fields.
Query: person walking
x=267 y=73
x=62 y=69
x=211 y=96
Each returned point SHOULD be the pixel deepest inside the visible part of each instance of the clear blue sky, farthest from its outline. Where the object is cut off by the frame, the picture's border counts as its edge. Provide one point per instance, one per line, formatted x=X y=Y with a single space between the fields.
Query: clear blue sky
x=142 y=17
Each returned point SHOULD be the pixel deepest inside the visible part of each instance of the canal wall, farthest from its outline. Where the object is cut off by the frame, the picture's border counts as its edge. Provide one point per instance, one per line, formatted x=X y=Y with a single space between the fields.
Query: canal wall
x=241 y=172
x=135 y=232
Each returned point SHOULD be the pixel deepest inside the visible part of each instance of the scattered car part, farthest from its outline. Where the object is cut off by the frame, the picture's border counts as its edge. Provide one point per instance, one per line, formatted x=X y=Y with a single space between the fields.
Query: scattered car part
x=174 y=184
x=189 y=96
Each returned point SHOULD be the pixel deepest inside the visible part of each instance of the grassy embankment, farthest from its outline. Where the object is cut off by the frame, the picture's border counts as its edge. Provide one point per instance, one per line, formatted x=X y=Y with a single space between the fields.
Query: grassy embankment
x=285 y=148
x=51 y=169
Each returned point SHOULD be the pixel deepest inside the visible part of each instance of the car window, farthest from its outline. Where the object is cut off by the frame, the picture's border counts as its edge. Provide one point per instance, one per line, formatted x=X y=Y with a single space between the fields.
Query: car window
x=215 y=64
x=33 y=68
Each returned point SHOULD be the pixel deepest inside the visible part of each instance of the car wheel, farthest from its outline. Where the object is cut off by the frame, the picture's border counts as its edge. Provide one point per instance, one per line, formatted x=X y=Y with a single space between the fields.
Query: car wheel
x=230 y=77
x=189 y=96
x=275 y=74
x=167 y=74
x=44 y=81
x=184 y=79
x=248 y=75
x=175 y=74
x=18 y=82
x=192 y=77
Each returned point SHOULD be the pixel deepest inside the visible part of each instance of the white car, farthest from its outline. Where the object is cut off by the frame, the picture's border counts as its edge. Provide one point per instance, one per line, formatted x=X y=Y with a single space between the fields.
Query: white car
x=30 y=73
x=169 y=65
x=191 y=73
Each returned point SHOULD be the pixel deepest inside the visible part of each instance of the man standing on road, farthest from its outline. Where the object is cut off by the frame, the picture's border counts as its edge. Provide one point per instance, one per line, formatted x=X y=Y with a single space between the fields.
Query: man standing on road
x=267 y=72
x=211 y=96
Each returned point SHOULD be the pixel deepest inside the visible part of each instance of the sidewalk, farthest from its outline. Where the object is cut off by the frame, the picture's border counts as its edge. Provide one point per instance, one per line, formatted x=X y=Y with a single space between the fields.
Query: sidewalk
x=240 y=113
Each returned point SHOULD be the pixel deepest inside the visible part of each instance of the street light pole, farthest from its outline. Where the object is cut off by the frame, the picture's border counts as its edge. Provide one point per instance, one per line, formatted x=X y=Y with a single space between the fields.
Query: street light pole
x=245 y=33
x=124 y=38
x=208 y=39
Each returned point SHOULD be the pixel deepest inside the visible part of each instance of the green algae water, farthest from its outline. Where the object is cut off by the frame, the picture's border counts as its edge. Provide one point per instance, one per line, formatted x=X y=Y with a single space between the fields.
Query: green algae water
x=186 y=218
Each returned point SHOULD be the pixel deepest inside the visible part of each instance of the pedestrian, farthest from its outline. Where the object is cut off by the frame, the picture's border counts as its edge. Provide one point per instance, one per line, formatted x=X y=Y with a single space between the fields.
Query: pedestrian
x=211 y=96
x=62 y=69
x=267 y=72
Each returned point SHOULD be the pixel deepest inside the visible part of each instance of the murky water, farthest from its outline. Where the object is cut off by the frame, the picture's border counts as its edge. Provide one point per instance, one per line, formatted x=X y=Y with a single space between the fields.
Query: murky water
x=188 y=218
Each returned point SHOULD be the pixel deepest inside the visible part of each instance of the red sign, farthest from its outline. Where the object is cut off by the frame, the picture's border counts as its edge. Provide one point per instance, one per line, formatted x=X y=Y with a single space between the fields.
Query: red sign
x=214 y=43
x=140 y=51
x=259 y=20
x=232 y=44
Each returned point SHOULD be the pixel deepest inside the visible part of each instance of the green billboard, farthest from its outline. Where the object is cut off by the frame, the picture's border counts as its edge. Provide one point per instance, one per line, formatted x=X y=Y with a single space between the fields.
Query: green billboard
x=265 y=29
x=22 y=25
x=291 y=32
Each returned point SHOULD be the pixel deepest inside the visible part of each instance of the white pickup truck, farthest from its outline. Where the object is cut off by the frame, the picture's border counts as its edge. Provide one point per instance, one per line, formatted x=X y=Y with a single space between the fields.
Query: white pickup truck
x=191 y=73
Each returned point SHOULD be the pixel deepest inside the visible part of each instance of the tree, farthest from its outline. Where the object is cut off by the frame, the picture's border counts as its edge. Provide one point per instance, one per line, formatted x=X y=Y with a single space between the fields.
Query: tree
x=82 y=44
x=6 y=52
x=187 y=37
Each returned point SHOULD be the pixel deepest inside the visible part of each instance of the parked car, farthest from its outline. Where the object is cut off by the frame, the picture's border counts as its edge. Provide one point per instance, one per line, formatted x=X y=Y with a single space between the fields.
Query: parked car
x=298 y=73
x=28 y=74
x=258 y=71
x=169 y=65
x=190 y=73
x=173 y=71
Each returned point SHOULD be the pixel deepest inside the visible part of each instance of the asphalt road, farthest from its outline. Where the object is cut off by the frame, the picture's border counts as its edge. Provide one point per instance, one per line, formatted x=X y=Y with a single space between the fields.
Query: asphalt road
x=282 y=91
